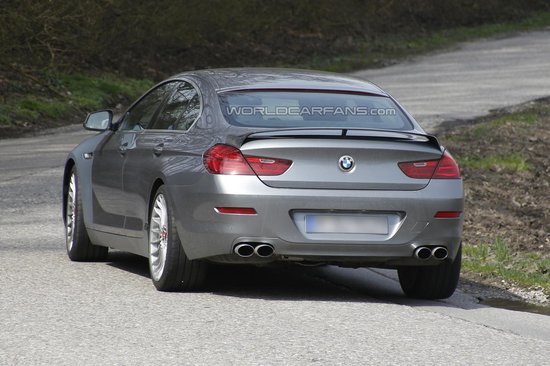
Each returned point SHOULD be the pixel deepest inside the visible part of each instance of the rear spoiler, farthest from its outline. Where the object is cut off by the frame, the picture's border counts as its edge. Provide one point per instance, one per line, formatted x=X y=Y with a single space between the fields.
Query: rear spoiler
x=344 y=133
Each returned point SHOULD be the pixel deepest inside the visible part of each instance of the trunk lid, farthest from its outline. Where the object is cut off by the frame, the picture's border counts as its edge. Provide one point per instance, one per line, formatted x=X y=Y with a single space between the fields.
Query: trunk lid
x=316 y=156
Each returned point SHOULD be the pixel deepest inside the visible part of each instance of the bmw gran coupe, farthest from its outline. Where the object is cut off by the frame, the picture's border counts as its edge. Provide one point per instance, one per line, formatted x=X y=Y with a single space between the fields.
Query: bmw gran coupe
x=254 y=166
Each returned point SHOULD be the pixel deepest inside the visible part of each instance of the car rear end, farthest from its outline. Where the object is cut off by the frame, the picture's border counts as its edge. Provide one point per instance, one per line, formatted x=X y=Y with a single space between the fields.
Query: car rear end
x=311 y=184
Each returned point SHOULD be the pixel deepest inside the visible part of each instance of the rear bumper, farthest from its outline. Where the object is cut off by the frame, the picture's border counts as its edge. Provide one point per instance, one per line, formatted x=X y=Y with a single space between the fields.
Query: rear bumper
x=207 y=234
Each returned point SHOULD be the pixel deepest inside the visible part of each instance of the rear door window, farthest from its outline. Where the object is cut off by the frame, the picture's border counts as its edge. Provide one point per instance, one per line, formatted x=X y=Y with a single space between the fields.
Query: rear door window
x=181 y=109
x=289 y=109
x=141 y=115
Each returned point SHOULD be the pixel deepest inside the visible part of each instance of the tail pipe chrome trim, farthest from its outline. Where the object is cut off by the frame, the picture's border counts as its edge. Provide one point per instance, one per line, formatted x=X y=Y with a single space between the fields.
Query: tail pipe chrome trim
x=264 y=250
x=440 y=253
x=422 y=253
x=244 y=250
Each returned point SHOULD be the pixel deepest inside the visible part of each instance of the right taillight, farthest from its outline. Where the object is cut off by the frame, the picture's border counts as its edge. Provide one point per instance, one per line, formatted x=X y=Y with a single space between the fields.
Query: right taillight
x=226 y=159
x=444 y=168
x=447 y=168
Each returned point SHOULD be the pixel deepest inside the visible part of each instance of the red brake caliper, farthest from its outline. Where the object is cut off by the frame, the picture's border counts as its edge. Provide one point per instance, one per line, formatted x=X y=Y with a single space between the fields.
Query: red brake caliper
x=163 y=233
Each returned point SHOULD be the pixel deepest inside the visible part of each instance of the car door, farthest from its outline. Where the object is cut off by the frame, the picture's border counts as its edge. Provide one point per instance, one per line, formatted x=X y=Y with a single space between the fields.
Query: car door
x=110 y=206
x=153 y=154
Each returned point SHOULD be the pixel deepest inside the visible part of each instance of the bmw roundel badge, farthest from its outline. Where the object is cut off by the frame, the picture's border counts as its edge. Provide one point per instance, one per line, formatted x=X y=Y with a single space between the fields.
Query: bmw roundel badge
x=346 y=163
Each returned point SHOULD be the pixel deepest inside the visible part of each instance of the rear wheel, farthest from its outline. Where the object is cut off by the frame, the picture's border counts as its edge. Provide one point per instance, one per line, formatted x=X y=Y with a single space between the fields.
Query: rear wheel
x=79 y=246
x=431 y=282
x=170 y=268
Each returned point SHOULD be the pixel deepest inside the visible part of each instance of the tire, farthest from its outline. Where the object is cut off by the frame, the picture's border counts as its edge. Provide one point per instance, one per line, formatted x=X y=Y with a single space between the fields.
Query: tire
x=170 y=268
x=78 y=244
x=431 y=282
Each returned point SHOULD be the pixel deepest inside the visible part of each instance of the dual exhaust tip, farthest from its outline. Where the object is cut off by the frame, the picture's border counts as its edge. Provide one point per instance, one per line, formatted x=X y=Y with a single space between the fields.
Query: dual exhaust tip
x=246 y=250
x=424 y=253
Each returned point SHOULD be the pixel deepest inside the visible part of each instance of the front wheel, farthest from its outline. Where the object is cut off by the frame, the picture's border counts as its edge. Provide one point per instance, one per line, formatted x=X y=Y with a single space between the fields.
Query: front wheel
x=79 y=246
x=170 y=268
x=431 y=282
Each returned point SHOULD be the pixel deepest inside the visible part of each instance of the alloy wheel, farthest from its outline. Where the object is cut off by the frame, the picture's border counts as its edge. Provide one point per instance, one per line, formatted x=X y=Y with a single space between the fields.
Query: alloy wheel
x=70 y=212
x=158 y=237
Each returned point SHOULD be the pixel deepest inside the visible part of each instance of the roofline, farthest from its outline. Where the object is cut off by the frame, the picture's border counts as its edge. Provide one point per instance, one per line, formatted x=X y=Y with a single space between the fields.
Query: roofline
x=335 y=85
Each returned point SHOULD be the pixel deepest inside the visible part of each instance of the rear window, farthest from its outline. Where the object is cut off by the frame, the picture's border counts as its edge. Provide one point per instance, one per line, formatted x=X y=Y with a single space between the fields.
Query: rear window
x=288 y=109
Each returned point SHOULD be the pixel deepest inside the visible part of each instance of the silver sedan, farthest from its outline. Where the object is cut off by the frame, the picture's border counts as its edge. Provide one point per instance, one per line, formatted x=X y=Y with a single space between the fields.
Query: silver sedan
x=254 y=166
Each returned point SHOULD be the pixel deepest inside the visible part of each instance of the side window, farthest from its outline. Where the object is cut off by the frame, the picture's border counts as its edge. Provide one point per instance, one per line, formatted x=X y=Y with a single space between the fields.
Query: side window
x=181 y=109
x=190 y=114
x=140 y=116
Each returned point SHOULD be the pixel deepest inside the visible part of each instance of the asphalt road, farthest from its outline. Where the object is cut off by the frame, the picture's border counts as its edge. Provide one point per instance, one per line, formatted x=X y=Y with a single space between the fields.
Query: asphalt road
x=471 y=80
x=53 y=311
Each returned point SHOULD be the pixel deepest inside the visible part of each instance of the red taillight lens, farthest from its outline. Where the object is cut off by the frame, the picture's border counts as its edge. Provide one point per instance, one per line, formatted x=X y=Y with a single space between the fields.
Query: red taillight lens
x=226 y=159
x=268 y=166
x=419 y=169
x=445 y=168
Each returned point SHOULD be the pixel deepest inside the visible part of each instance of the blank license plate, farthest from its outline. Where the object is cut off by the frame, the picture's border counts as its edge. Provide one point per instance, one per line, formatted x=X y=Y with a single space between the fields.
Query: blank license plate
x=347 y=224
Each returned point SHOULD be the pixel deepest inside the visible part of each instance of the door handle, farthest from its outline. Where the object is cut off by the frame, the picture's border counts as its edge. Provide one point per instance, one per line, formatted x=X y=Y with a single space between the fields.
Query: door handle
x=157 y=150
x=122 y=148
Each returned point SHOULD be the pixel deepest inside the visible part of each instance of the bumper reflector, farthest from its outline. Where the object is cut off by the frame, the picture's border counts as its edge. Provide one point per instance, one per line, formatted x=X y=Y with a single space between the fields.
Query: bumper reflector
x=447 y=214
x=236 y=210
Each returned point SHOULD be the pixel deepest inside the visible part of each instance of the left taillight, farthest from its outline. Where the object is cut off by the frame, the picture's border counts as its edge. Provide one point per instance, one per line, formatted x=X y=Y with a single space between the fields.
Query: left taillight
x=226 y=159
x=444 y=168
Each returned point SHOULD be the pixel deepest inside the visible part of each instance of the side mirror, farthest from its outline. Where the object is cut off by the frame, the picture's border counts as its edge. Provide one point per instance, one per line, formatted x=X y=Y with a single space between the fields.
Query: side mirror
x=99 y=121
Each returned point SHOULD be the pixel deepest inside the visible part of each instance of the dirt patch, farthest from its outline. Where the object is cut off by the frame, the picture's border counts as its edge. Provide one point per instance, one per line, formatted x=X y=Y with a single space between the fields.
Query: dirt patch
x=501 y=201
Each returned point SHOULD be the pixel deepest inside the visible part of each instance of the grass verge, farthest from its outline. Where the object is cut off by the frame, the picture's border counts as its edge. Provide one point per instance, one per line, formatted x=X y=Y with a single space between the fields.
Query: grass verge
x=499 y=261
x=512 y=161
x=65 y=98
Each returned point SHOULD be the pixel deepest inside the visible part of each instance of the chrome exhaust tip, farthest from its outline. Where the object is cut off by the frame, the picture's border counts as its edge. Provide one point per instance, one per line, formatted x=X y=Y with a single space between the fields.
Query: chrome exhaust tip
x=423 y=253
x=264 y=250
x=244 y=250
x=440 y=253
